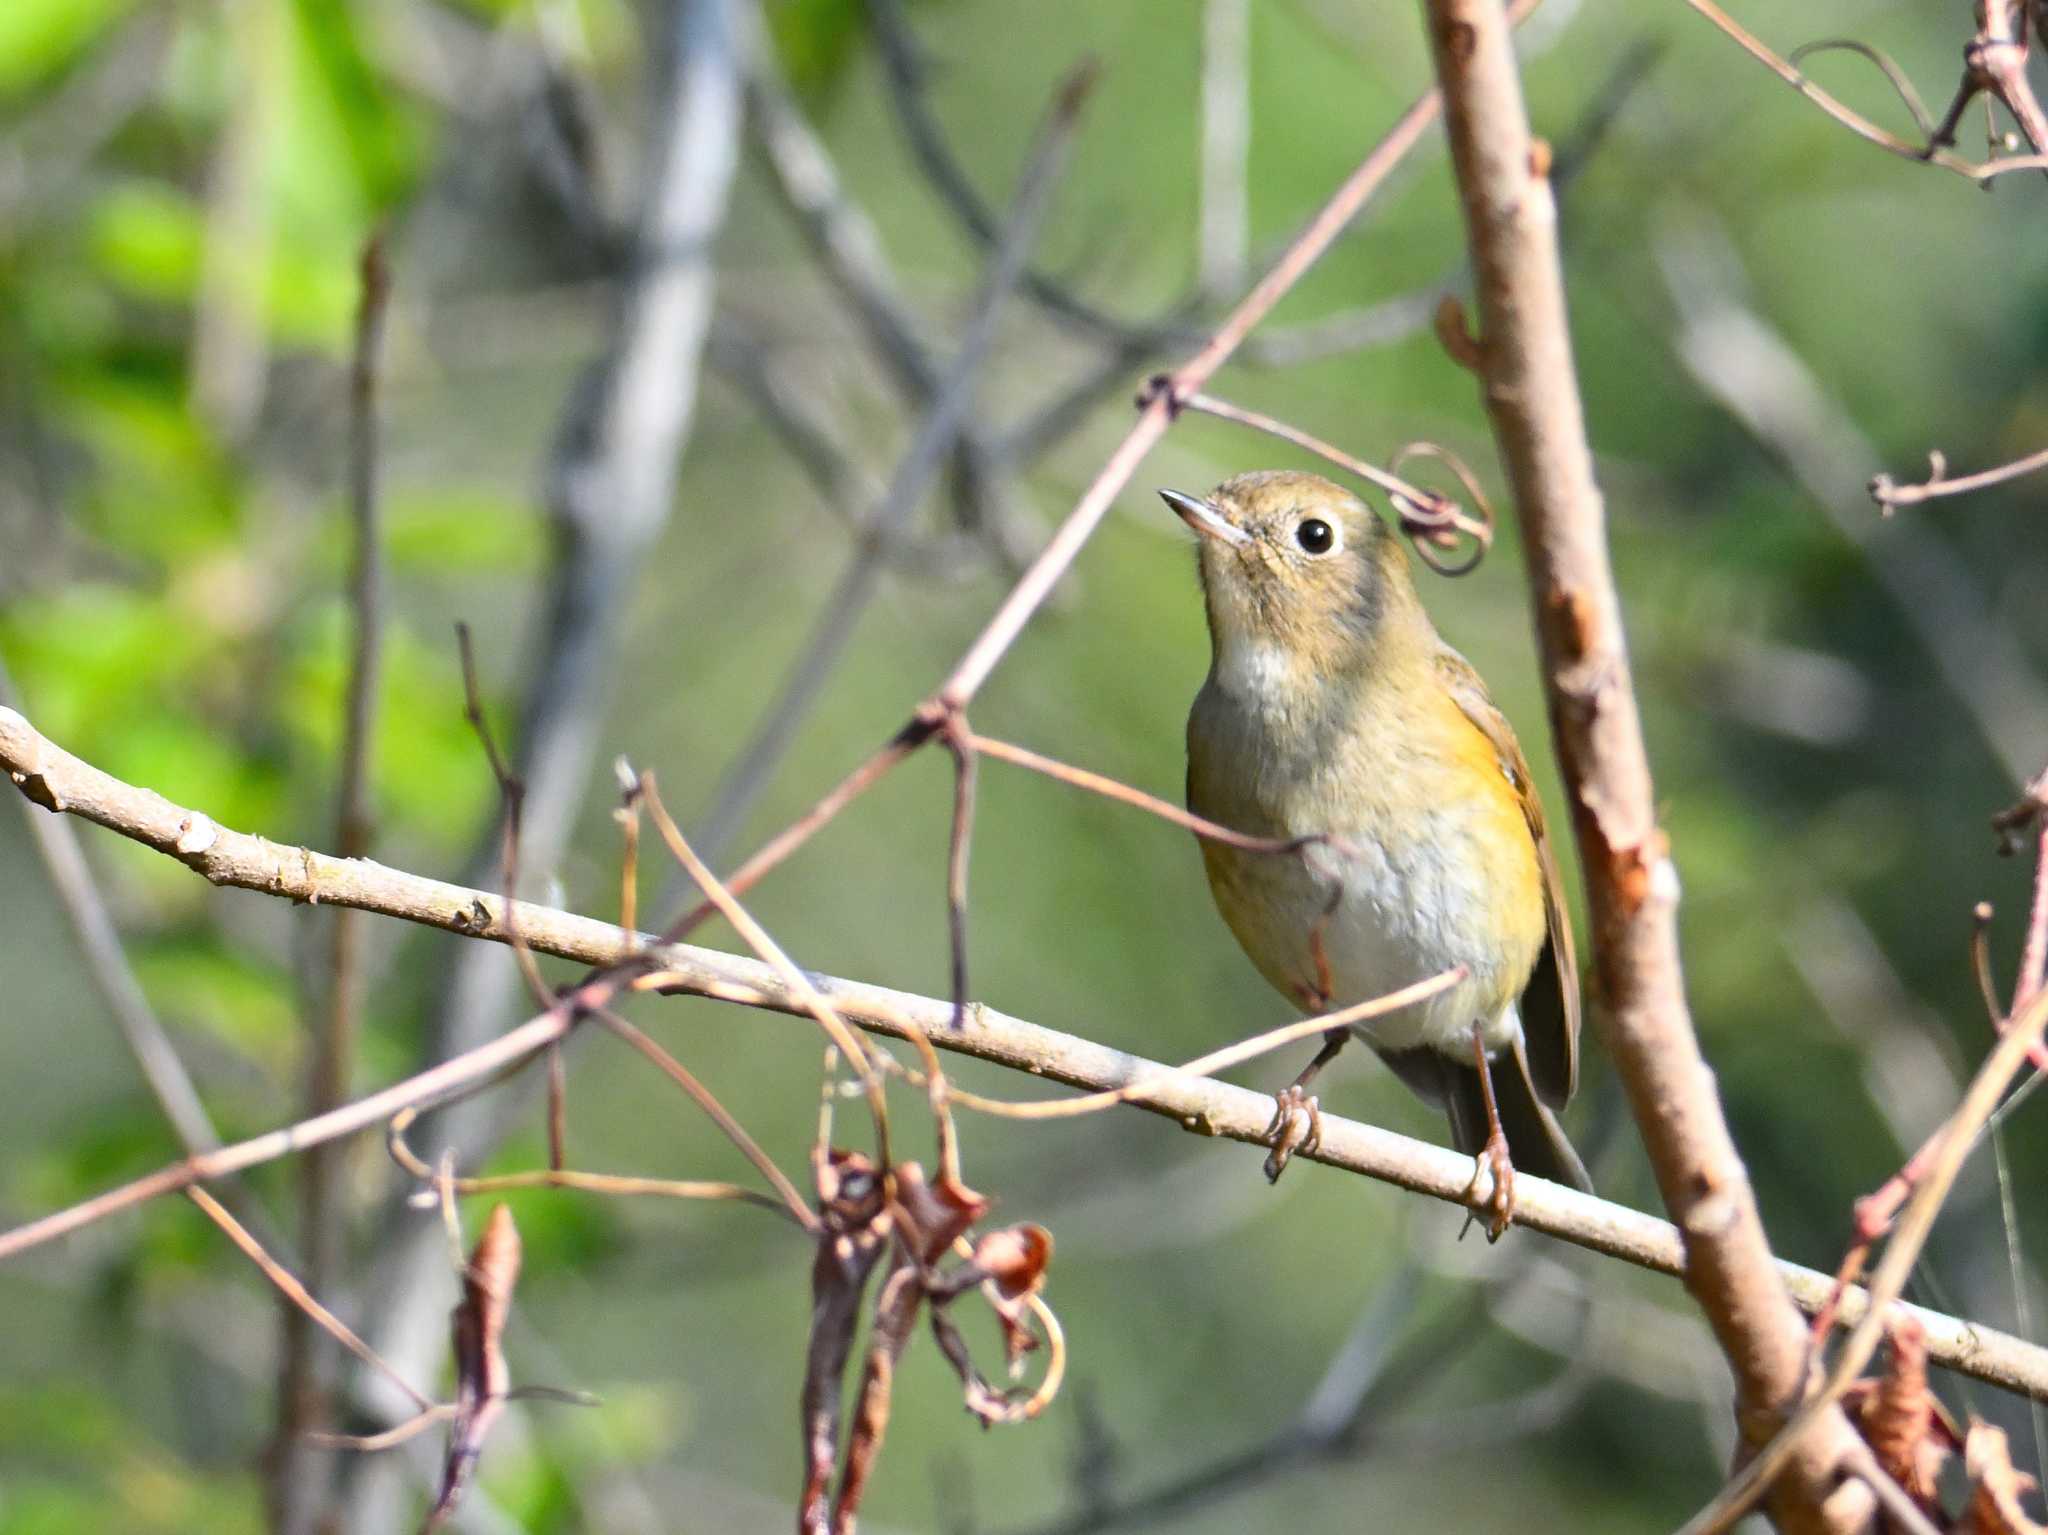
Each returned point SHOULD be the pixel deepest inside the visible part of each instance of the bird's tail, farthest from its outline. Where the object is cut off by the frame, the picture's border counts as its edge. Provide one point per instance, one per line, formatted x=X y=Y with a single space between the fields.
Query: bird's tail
x=1536 y=1141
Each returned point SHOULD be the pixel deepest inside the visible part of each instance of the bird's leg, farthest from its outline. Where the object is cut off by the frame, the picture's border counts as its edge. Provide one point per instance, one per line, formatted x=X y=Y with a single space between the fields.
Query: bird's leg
x=1297 y=1118
x=1494 y=1155
x=1326 y=988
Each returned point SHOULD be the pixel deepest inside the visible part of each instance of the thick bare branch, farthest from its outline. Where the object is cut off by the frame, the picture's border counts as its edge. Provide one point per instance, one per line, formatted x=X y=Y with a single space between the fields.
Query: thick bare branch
x=55 y=779
x=1532 y=399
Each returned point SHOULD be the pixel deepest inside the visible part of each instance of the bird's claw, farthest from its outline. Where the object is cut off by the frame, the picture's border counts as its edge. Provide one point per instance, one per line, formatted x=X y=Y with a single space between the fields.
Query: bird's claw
x=1499 y=1203
x=1297 y=1126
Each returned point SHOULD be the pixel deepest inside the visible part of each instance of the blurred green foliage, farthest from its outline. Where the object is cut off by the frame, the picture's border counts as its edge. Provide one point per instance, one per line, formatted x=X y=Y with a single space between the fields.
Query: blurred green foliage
x=184 y=191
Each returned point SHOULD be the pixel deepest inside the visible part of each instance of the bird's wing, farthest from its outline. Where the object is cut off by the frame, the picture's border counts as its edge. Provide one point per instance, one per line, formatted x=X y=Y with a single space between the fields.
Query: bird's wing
x=1550 y=1002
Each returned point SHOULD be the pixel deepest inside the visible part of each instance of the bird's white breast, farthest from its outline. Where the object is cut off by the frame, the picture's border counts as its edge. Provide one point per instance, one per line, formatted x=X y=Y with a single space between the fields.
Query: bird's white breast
x=1411 y=886
x=1396 y=914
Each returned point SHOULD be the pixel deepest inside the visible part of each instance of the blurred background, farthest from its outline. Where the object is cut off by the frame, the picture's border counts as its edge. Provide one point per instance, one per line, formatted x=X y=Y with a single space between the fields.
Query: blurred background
x=674 y=287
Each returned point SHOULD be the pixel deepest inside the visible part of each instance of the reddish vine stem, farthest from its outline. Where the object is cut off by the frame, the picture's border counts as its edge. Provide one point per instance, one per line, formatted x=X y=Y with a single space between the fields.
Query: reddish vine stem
x=1429 y=517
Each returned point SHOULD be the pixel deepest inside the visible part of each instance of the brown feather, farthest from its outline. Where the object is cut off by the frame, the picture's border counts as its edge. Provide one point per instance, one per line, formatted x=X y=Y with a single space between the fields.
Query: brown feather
x=1550 y=1002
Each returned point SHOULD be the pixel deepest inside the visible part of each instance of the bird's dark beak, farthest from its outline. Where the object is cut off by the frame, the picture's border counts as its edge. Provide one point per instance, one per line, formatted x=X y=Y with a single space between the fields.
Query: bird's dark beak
x=1204 y=518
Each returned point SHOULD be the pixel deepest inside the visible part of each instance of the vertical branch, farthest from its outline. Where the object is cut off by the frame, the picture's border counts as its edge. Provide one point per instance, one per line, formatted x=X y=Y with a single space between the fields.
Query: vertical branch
x=612 y=479
x=306 y=1361
x=958 y=850
x=2033 y=971
x=1532 y=399
x=1226 y=143
x=611 y=489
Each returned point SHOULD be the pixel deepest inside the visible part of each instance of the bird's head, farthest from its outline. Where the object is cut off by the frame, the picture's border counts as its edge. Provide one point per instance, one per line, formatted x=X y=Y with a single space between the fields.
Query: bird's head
x=1302 y=580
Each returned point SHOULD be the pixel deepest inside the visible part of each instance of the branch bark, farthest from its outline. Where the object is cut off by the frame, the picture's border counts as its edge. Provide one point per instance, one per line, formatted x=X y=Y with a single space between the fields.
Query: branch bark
x=56 y=780
x=1532 y=400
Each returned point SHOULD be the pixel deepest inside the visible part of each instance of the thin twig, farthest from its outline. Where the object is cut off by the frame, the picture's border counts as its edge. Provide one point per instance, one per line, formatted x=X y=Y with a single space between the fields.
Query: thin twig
x=1217 y=1060
x=849 y=1044
x=718 y=1113
x=959 y=849
x=1848 y=117
x=1302 y=253
x=591 y=1183
x=1980 y=962
x=1123 y=793
x=1901 y=82
x=391 y=1438
x=512 y=801
x=302 y=1299
x=950 y=407
x=1889 y=494
x=302 y=1390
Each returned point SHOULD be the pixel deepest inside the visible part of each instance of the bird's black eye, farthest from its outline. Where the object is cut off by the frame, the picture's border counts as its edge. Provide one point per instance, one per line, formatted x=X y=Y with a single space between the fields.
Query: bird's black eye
x=1315 y=535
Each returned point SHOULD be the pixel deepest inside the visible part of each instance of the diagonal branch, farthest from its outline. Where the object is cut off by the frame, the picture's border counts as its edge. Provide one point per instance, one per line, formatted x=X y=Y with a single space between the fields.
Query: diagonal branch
x=1163 y=404
x=948 y=415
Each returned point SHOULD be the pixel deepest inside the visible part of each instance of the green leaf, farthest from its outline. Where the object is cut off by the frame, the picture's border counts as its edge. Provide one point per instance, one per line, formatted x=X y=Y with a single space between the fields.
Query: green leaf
x=148 y=237
x=38 y=37
x=815 y=39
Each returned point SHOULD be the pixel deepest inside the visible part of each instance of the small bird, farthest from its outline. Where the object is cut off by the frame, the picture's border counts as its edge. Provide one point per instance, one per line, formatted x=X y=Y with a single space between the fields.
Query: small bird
x=1333 y=707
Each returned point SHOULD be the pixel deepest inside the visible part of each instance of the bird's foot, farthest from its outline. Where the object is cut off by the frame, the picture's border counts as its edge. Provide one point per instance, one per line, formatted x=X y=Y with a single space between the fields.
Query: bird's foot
x=1297 y=1126
x=1498 y=1206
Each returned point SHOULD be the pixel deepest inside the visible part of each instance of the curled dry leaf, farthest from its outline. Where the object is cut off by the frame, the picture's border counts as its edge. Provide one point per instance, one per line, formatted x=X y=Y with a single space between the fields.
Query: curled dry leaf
x=896 y=1309
x=917 y=1219
x=853 y=1229
x=934 y=1215
x=1995 y=1487
x=986 y=1402
x=1014 y=1260
x=1901 y=1419
x=482 y=1381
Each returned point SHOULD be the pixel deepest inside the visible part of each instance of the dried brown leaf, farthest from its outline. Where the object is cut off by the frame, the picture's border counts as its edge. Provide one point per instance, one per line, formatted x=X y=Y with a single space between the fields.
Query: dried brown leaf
x=1898 y=1417
x=934 y=1214
x=1995 y=1487
x=896 y=1308
x=854 y=1230
x=482 y=1379
x=1014 y=1260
